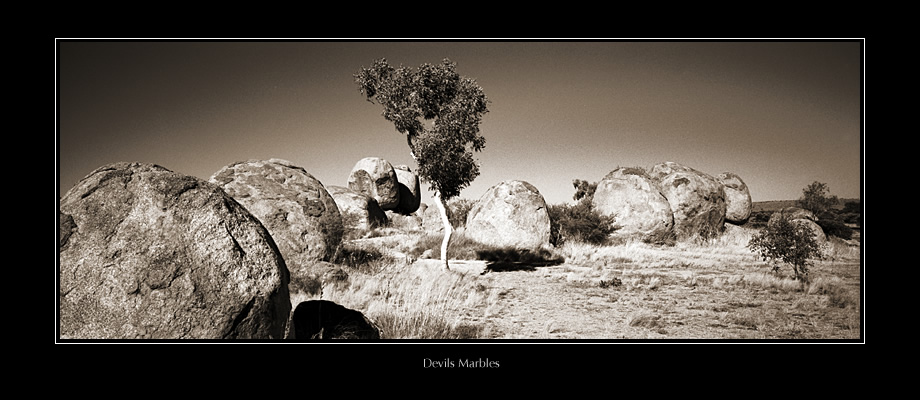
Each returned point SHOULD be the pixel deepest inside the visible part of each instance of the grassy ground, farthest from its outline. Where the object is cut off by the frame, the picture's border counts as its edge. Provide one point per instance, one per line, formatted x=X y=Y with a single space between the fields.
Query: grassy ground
x=712 y=290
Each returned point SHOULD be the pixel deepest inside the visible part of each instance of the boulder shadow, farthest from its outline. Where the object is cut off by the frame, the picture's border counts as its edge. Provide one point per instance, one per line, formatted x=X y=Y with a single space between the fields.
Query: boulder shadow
x=514 y=259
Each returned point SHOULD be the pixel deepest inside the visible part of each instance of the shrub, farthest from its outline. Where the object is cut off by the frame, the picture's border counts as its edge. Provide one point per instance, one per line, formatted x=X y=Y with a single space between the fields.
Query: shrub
x=787 y=242
x=833 y=226
x=853 y=207
x=368 y=259
x=459 y=209
x=580 y=223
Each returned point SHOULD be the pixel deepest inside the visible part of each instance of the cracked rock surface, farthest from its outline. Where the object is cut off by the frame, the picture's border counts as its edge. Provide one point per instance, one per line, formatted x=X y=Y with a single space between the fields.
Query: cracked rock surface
x=149 y=253
x=697 y=200
x=299 y=213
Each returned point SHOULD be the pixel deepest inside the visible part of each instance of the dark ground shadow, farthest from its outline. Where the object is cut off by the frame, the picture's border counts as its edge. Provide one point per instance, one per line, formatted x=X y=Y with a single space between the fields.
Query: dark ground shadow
x=512 y=259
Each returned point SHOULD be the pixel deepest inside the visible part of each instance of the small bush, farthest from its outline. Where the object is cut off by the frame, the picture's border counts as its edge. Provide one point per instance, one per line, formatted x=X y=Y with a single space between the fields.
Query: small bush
x=836 y=228
x=368 y=260
x=579 y=223
x=854 y=207
x=788 y=242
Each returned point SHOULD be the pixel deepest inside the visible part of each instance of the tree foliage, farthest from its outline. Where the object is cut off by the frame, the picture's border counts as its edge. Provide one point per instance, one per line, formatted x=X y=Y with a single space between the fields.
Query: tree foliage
x=786 y=241
x=455 y=105
x=584 y=189
x=580 y=222
x=815 y=198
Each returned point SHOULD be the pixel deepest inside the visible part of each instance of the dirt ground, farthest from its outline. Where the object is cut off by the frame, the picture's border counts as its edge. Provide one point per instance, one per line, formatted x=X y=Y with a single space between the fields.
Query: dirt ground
x=684 y=301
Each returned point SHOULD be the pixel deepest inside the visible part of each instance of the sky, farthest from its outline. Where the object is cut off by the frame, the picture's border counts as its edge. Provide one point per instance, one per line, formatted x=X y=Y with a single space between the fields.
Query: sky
x=779 y=114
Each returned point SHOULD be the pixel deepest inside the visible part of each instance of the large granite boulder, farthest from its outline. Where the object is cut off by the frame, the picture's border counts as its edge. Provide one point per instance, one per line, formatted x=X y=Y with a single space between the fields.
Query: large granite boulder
x=697 y=200
x=510 y=214
x=738 y=204
x=375 y=177
x=295 y=207
x=149 y=253
x=410 y=193
x=323 y=319
x=359 y=211
x=639 y=209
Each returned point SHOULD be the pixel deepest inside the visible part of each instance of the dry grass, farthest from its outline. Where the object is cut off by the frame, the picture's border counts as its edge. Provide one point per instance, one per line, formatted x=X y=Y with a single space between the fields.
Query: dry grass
x=418 y=301
x=715 y=289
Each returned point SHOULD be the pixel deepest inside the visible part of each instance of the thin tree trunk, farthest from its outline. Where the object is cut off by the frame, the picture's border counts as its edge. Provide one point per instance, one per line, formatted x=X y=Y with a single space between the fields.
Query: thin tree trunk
x=448 y=229
x=442 y=208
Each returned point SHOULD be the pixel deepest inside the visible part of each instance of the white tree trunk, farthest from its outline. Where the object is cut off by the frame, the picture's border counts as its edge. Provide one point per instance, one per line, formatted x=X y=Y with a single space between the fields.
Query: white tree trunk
x=442 y=209
x=448 y=229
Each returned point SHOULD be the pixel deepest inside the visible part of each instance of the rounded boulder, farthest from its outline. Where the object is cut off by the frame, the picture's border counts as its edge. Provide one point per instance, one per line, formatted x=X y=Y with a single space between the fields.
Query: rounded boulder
x=697 y=200
x=375 y=177
x=639 y=209
x=410 y=194
x=738 y=205
x=149 y=253
x=359 y=211
x=510 y=214
x=324 y=319
x=295 y=207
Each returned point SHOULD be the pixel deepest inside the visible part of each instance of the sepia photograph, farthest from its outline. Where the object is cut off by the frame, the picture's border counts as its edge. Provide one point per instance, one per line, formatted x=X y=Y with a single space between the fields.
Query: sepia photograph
x=421 y=191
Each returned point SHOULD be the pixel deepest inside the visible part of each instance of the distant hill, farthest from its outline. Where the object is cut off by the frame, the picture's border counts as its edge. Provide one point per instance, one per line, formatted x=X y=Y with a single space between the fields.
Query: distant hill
x=776 y=205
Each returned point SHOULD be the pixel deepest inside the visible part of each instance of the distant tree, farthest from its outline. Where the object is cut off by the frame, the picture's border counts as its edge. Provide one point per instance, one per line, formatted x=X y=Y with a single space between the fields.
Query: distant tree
x=815 y=198
x=786 y=241
x=584 y=189
x=444 y=149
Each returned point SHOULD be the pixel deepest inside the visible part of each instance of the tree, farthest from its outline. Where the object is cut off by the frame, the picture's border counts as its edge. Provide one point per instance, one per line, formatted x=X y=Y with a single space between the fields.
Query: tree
x=786 y=241
x=815 y=198
x=584 y=190
x=444 y=149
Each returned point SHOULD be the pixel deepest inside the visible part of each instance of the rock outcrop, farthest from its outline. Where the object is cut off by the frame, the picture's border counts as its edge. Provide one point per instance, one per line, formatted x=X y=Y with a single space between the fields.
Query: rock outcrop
x=510 y=214
x=149 y=253
x=359 y=211
x=632 y=197
x=697 y=200
x=295 y=207
x=738 y=204
x=410 y=194
x=323 y=319
x=375 y=177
